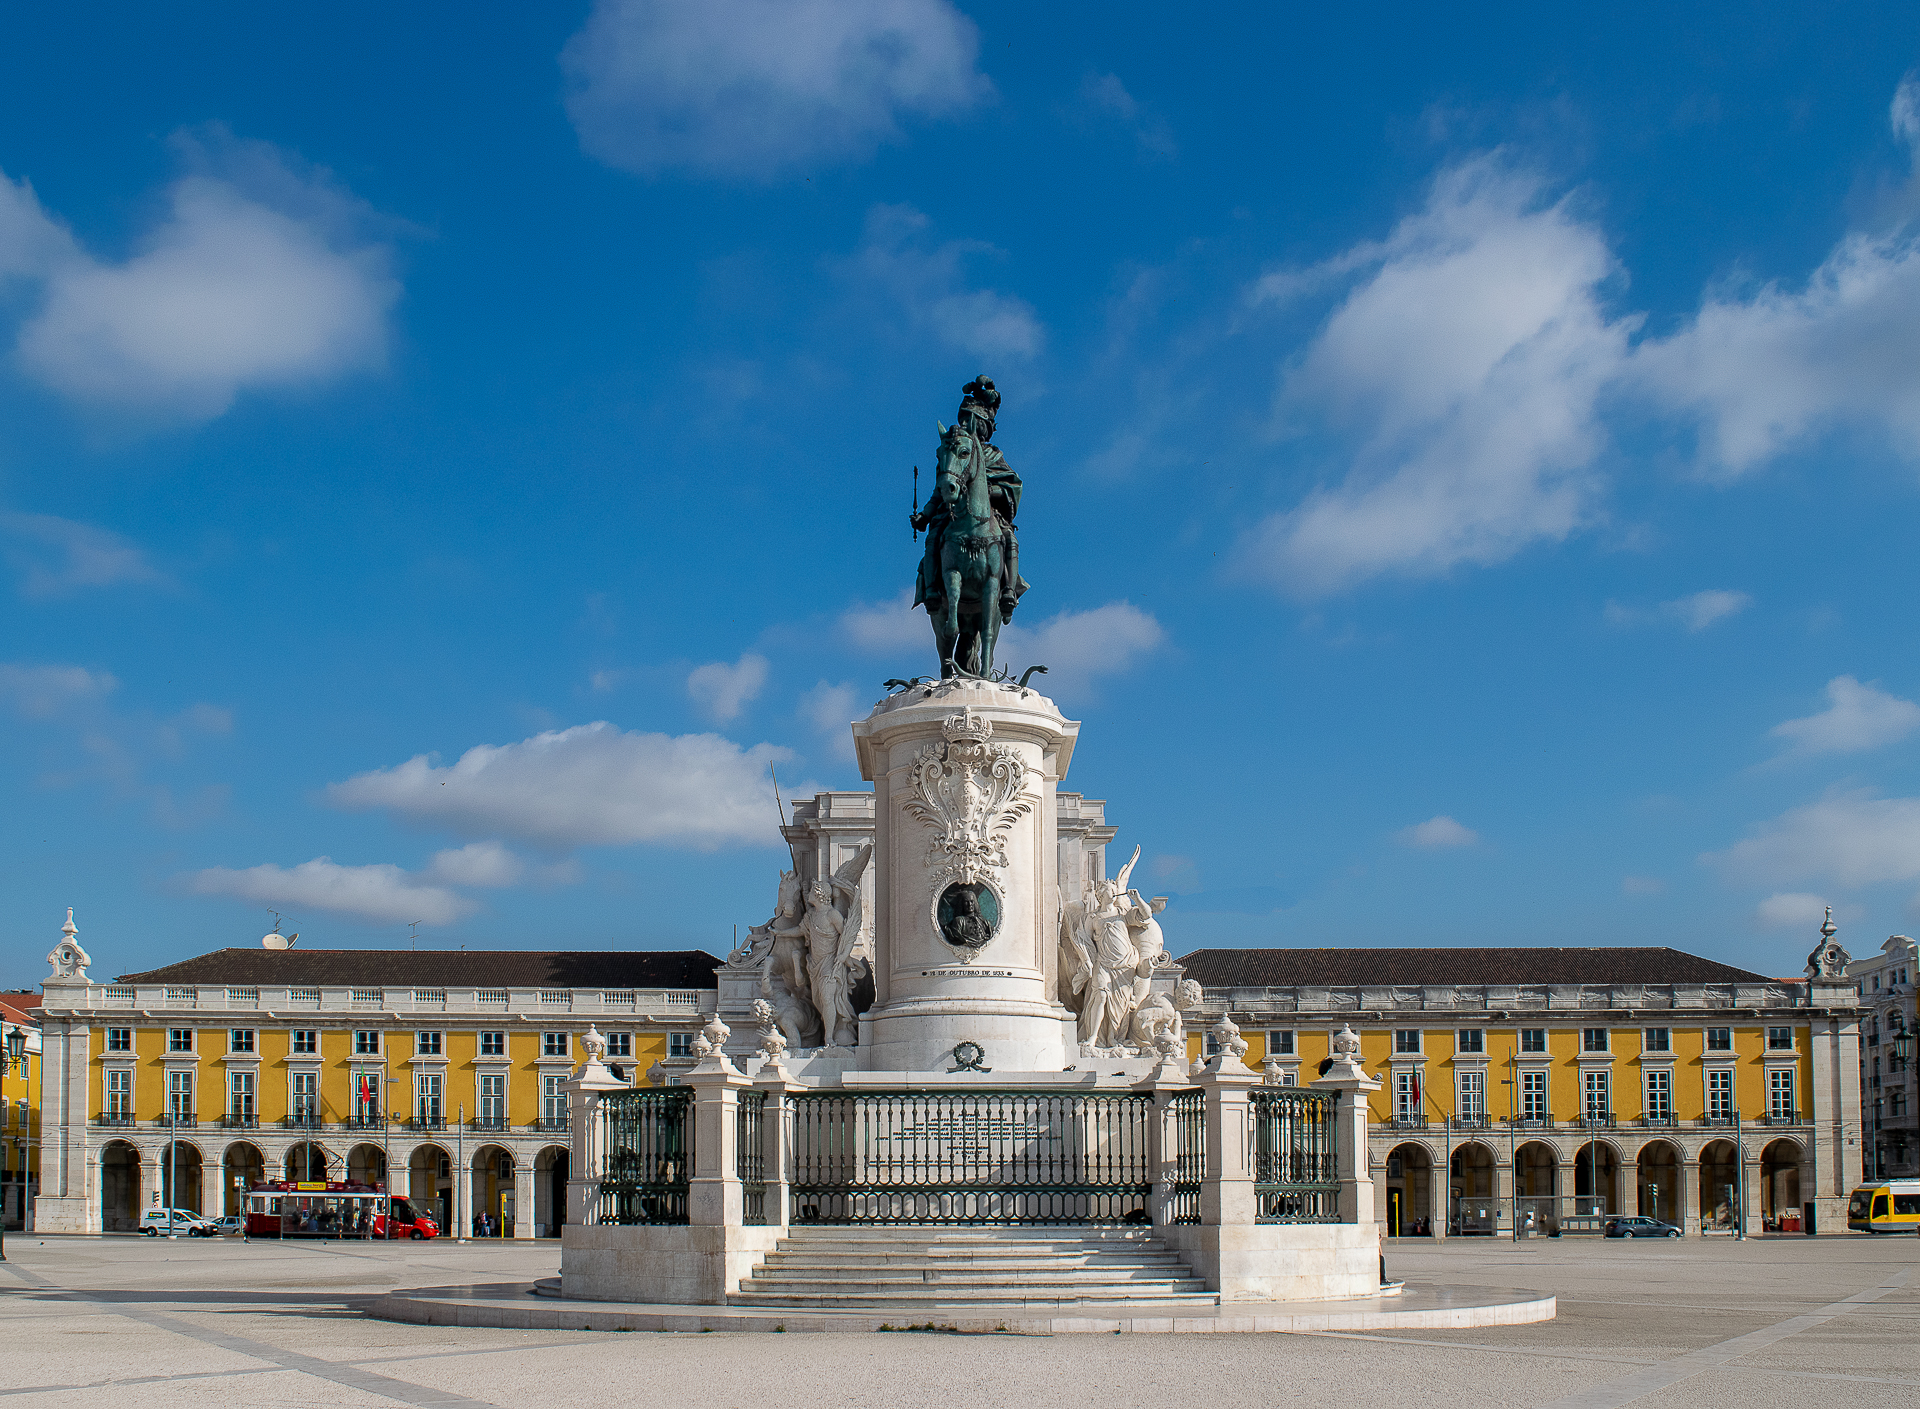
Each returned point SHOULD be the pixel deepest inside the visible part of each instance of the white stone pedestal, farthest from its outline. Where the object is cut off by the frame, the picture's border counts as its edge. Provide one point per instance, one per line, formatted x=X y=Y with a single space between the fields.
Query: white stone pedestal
x=964 y=776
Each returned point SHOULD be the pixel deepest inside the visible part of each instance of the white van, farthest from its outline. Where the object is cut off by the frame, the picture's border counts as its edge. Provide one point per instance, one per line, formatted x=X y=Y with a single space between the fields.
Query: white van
x=177 y=1220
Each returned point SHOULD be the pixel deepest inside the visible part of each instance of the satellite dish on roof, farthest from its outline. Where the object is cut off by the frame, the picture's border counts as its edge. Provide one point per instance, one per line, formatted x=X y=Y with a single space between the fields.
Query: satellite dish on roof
x=273 y=939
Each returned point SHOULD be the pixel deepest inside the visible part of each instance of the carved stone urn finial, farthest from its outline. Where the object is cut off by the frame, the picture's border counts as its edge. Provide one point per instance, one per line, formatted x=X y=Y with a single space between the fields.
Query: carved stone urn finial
x=593 y=1044
x=67 y=958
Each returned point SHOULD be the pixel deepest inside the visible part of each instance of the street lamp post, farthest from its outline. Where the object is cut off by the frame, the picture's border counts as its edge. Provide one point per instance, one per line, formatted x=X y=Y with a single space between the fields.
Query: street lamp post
x=386 y=1152
x=15 y=1059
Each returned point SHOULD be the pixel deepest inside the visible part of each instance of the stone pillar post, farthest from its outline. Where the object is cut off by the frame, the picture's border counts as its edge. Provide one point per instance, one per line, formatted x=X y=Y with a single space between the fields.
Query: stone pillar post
x=1350 y=1086
x=713 y=1196
x=1226 y=1194
x=1378 y=1173
x=152 y=1182
x=587 y=1156
x=1753 y=1224
x=213 y=1201
x=1685 y=1213
x=1563 y=1176
x=1437 y=1187
x=776 y=1136
x=1161 y=1083
x=1503 y=1194
x=522 y=1198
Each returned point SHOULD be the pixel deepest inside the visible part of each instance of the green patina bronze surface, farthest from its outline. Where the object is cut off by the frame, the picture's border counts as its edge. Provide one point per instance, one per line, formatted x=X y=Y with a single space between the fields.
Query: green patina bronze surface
x=969 y=578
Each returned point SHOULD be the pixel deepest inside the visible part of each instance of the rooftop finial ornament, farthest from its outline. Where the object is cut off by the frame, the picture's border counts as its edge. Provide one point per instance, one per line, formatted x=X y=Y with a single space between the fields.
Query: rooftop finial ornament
x=1828 y=959
x=67 y=959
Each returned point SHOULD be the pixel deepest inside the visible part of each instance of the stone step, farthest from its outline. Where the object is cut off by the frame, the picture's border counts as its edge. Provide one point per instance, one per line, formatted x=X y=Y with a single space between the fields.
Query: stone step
x=1038 y=1276
x=982 y=1261
x=981 y=1298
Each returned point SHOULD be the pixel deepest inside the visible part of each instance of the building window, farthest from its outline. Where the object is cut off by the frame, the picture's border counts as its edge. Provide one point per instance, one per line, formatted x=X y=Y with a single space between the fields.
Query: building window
x=1289 y=1077
x=306 y=1042
x=1473 y=1095
x=679 y=1044
x=240 y=1039
x=493 y=1101
x=1406 y=1095
x=120 y=1094
x=428 y=1092
x=1533 y=1095
x=1596 y=1094
x=1658 y=1039
x=119 y=1039
x=1719 y=1039
x=553 y=1102
x=1780 y=1094
x=426 y=1044
x=1406 y=1040
x=1533 y=1039
x=1719 y=1095
x=179 y=1039
x=366 y=1094
x=493 y=1044
x=366 y=1042
x=619 y=1044
x=1280 y=1043
x=240 y=1094
x=1471 y=1039
x=1209 y=1046
x=306 y=1097
x=180 y=1095
x=1593 y=1039
x=1896 y=1104
x=553 y=1044
x=1660 y=1096
x=1779 y=1039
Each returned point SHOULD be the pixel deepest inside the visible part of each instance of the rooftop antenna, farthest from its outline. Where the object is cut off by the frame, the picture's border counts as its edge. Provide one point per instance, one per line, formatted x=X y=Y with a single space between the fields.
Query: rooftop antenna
x=413 y=934
x=275 y=932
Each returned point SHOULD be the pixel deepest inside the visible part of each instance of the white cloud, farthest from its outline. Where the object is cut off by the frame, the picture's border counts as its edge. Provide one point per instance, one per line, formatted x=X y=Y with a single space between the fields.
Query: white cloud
x=591 y=785
x=1642 y=885
x=883 y=628
x=1078 y=647
x=1849 y=837
x=1763 y=368
x=761 y=88
x=83 y=555
x=44 y=691
x=928 y=283
x=1790 y=910
x=1696 y=612
x=1857 y=717
x=723 y=690
x=1465 y=367
x=380 y=894
x=1105 y=94
x=259 y=276
x=830 y=709
x=479 y=863
x=1437 y=833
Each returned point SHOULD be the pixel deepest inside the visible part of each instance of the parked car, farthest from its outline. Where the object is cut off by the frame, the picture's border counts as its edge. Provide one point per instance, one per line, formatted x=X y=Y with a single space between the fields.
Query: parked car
x=156 y=1221
x=1640 y=1228
x=231 y=1226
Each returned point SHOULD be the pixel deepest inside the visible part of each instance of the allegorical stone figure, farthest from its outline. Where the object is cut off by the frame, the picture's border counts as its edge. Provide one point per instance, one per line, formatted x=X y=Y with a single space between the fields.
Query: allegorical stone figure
x=969 y=579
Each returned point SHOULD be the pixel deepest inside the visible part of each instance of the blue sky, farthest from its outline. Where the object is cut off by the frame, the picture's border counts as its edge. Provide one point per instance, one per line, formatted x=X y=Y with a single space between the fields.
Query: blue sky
x=1472 y=462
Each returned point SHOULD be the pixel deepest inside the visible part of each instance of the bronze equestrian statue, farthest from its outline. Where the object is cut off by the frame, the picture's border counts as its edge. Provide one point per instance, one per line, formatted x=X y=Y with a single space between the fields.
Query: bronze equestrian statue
x=969 y=578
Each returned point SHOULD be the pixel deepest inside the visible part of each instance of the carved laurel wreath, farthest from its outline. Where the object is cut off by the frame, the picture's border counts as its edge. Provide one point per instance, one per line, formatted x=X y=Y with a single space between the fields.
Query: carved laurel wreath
x=969 y=793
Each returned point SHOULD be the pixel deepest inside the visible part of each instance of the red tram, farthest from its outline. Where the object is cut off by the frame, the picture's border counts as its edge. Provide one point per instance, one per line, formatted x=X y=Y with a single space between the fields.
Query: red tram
x=284 y=1208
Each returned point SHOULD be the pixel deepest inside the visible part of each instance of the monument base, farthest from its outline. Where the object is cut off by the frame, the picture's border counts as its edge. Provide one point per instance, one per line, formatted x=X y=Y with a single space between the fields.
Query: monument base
x=1282 y=1261
x=684 y=1266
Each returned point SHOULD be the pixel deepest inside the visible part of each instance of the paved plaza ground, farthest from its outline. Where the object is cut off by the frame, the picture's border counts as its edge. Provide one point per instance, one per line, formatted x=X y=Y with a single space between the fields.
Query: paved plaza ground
x=1786 y=1321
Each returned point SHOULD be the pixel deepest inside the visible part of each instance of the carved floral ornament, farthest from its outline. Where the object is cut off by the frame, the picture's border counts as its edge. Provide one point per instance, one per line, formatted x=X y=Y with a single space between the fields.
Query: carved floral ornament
x=969 y=792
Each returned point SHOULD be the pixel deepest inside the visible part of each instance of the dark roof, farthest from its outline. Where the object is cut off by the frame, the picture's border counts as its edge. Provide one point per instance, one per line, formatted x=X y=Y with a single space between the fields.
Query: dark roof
x=1353 y=968
x=470 y=968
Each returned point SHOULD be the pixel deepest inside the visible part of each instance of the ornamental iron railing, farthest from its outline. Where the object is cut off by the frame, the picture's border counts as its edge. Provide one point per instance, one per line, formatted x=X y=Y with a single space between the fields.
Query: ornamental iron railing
x=971 y=1157
x=750 y=1157
x=1295 y=1179
x=649 y=1153
x=1185 y=1137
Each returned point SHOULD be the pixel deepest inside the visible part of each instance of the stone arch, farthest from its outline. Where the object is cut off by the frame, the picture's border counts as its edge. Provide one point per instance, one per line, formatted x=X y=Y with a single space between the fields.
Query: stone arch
x=1780 y=1184
x=241 y=1167
x=367 y=1164
x=308 y=1161
x=1596 y=1178
x=430 y=1184
x=552 y=1168
x=1471 y=1206
x=1657 y=1181
x=1410 y=1176
x=1719 y=1185
x=182 y=1171
x=119 y=1187
x=492 y=1172
x=1536 y=1175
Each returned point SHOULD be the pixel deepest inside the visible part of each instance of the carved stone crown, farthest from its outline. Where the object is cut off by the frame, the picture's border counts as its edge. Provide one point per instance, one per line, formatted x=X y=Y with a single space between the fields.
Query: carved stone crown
x=968 y=726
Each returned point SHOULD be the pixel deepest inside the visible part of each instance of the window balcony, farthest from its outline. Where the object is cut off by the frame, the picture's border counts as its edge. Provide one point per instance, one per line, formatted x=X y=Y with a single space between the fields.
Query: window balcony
x=487 y=1122
x=177 y=1120
x=1784 y=1117
x=1715 y=1122
x=1532 y=1122
x=1663 y=1122
x=240 y=1120
x=427 y=1122
x=366 y=1122
x=1404 y=1121
x=1473 y=1120
x=303 y=1122
x=1596 y=1120
x=122 y=1120
x=550 y=1122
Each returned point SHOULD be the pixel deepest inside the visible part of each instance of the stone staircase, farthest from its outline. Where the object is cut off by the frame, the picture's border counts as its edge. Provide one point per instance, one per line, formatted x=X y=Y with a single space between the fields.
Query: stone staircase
x=926 y=1267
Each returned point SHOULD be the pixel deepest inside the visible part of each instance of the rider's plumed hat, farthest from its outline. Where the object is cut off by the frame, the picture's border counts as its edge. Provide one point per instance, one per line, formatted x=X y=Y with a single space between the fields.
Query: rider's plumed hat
x=980 y=397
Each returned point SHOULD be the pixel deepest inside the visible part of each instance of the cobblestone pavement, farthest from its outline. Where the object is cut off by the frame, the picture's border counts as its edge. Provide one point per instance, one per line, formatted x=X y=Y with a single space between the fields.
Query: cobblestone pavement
x=1832 y=1320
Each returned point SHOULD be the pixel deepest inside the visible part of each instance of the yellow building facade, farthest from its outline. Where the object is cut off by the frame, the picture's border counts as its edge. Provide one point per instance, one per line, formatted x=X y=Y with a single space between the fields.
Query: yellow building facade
x=19 y=1109
x=439 y=1076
